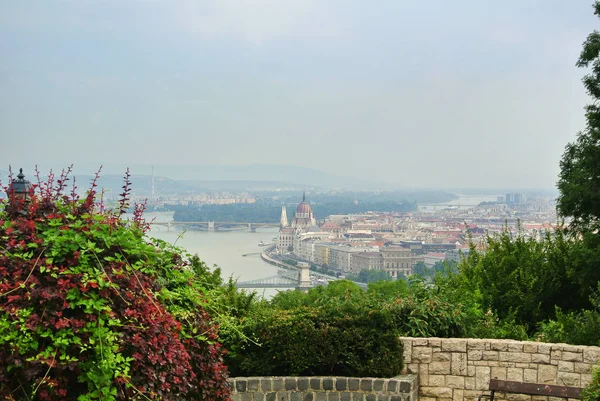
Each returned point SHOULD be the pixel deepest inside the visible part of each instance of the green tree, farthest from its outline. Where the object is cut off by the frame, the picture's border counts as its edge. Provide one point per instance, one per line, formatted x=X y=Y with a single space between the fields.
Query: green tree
x=421 y=269
x=372 y=276
x=524 y=279
x=579 y=179
x=289 y=299
x=592 y=391
x=388 y=290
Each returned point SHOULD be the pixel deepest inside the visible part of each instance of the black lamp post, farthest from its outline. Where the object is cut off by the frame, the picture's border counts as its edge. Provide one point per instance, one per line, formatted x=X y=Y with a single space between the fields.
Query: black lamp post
x=20 y=187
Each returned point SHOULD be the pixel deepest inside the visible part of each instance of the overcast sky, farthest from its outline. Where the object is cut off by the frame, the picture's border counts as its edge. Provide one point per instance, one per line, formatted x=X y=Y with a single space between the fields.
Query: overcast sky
x=421 y=93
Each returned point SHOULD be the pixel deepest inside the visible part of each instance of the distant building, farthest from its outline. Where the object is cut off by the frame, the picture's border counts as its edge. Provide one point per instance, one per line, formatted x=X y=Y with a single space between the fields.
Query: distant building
x=333 y=228
x=432 y=258
x=514 y=198
x=304 y=220
x=456 y=255
x=340 y=256
x=307 y=245
x=285 y=240
x=395 y=261
x=359 y=237
x=322 y=254
x=283 y=221
x=439 y=247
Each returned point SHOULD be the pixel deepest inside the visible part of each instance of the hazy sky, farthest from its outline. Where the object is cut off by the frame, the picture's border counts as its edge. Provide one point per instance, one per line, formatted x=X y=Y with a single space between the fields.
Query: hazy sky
x=438 y=92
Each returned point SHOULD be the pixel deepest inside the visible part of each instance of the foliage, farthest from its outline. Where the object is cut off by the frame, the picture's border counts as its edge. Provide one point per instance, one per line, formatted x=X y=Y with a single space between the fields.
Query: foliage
x=523 y=279
x=592 y=391
x=343 y=330
x=369 y=276
x=575 y=327
x=373 y=276
x=579 y=179
x=423 y=270
x=329 y=331
x=428 y=312
x=89 y=309
x=581 y=327
x=579 y=201
x=388 y=290
x=477 y=321
x=243 y=213
x=324 y=270
x=266 y=212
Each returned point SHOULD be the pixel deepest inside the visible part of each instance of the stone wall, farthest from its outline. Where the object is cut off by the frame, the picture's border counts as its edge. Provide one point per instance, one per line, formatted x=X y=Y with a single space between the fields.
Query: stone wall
x=400 y=388
x=460 y=369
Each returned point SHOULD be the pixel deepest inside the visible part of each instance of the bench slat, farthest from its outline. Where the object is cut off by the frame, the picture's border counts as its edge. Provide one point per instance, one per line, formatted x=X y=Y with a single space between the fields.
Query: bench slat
x=535 y=389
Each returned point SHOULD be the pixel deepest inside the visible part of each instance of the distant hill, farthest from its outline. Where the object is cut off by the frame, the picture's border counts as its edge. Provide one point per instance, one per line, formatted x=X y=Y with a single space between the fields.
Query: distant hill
x=141 y=185
x=261 y=175
x=255 y=177
x=240 y=186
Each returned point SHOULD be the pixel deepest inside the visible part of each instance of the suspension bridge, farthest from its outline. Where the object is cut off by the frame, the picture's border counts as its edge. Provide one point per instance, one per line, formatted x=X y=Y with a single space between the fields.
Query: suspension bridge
x=214 y=225
x=269 y=282
x=290 y=279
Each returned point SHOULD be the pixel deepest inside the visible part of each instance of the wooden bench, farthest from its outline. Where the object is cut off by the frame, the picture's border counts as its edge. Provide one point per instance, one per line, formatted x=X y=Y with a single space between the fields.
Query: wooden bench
x=551 y=390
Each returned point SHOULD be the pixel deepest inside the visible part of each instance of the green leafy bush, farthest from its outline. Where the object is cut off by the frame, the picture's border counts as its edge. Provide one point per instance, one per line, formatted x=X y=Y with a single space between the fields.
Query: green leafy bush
x=521 y=279
x=579 y=327
x=342 y=330
x=90 y=309
x=592 y=391
x=323 y=341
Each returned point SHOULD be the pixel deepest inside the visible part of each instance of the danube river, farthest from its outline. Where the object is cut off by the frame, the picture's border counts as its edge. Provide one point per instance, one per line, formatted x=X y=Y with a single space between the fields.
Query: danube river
x=224 y=249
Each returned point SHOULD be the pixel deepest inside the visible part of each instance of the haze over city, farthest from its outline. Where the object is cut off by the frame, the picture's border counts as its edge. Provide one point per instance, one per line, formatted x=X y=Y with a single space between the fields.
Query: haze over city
x=428 y=94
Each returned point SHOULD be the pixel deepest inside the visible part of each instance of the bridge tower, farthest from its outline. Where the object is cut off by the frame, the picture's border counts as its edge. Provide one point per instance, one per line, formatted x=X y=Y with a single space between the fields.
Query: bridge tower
x=251 y=228
x=303 y=277
x=211 y=226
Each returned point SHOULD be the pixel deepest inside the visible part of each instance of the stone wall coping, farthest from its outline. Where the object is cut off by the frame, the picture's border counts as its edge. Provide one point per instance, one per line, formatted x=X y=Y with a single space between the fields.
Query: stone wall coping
x=402 y=384
x=433 y=341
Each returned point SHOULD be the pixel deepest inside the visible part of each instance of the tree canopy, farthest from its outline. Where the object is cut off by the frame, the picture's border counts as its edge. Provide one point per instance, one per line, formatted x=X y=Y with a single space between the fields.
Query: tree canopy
x=579 y=179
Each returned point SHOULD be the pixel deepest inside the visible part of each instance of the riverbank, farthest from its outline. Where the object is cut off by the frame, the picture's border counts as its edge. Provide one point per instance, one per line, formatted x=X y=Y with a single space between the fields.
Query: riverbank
x=267 y=258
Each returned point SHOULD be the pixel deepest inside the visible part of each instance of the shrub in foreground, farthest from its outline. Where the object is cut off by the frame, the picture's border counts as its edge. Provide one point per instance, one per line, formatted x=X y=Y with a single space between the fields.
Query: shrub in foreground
x=592 y=391
x=312 y=341
x=90 y=310
x=342 y=330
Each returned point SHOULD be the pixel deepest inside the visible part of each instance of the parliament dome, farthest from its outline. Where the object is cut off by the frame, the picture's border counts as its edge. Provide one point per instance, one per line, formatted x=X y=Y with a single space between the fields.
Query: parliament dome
x=303 y=208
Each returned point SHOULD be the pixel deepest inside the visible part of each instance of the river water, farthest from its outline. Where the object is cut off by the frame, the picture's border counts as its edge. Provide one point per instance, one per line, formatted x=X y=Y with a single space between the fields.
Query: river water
x=224 y=249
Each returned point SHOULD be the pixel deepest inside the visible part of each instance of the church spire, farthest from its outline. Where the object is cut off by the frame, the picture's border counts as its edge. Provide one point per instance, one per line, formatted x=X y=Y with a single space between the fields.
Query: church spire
x=303 y=196
x=283 y=222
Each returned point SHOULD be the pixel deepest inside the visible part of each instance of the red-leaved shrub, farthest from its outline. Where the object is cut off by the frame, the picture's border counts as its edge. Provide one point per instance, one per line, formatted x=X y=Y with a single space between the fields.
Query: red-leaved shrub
x=91 y=309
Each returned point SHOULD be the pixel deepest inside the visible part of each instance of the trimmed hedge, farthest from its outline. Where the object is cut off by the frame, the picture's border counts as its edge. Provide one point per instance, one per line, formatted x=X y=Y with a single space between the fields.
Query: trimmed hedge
x=314 y=341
